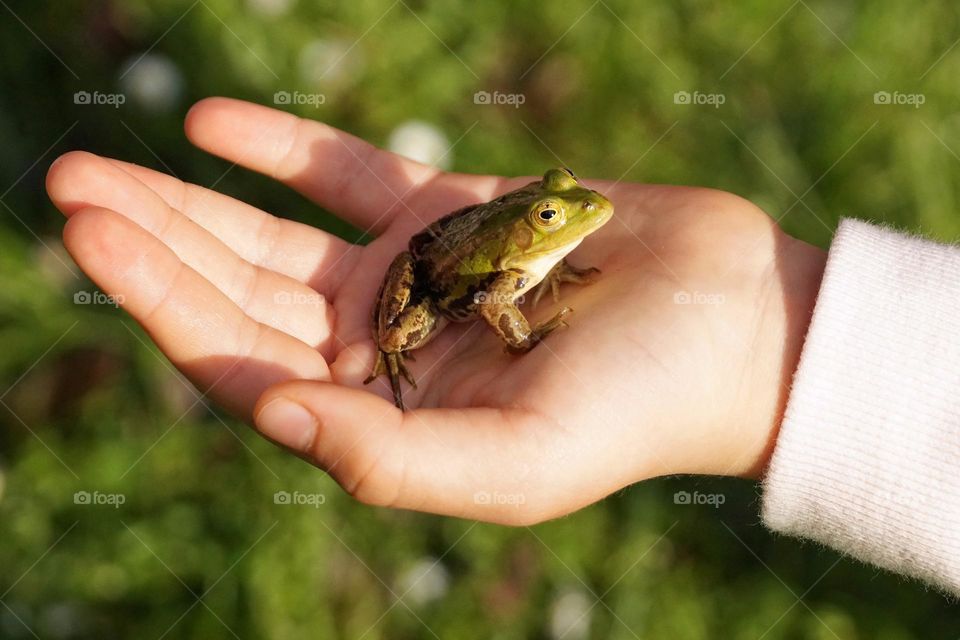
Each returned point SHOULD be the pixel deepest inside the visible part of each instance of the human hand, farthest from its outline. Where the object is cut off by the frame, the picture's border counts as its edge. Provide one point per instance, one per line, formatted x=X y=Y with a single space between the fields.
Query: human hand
x=677 y=359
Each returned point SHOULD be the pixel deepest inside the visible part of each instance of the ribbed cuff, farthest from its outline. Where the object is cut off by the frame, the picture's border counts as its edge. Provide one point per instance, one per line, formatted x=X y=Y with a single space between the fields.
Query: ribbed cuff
x=868 y=456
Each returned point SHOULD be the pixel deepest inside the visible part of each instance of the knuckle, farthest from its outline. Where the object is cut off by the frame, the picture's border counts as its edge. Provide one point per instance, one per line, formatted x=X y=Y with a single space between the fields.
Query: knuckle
x=364 y=156
x=268 y=240
x=244 y=285
x=163 y=301
x=284 y=164
x=374 y=488
x=368 y=477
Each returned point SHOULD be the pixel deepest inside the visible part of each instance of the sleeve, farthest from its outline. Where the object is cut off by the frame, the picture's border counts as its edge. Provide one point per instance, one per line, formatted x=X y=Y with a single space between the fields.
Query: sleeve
x=867 y=460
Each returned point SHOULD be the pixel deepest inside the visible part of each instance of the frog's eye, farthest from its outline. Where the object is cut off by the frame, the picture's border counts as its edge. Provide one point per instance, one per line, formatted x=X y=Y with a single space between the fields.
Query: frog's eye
x=547 y=215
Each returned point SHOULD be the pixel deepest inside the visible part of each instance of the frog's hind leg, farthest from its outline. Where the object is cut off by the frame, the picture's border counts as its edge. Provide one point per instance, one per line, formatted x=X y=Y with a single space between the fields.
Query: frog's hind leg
x=391 y=362
x=562 y=272
x=399 y=326
x=413 y=328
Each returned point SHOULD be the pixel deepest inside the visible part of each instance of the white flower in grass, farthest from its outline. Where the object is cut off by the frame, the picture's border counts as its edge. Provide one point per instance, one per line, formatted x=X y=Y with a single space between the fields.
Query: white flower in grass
x=570 y=616
x=152 y=81
x=270 y=8
x=424 y=582
x=330 y=61
x=423 y=142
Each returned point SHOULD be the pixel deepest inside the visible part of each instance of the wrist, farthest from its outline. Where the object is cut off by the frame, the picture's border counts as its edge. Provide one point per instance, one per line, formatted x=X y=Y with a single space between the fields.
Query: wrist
x=794 y=282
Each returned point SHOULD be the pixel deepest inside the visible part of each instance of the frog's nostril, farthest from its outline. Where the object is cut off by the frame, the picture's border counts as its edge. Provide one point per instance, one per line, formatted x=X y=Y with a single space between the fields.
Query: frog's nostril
x=587 y=205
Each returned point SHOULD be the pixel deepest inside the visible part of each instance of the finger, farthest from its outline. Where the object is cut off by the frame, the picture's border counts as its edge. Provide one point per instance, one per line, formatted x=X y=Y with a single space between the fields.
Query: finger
x=471 y=463
x=205 y=335
x=80 y=180
x=343 y=173
x=300 y=251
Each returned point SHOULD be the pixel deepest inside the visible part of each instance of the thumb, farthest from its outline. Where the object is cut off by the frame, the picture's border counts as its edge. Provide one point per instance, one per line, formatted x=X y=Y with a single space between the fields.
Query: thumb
x=477 y=463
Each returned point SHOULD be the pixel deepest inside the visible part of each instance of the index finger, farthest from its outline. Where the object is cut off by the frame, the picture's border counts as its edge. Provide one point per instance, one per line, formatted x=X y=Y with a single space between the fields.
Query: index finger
x=341 y=172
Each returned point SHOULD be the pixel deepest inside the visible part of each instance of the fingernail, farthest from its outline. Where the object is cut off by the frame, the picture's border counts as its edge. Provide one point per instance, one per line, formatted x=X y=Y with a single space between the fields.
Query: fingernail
x=287 y=423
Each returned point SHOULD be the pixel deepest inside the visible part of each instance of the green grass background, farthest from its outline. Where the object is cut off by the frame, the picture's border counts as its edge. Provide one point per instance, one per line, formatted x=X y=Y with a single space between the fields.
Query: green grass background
x=86 y=398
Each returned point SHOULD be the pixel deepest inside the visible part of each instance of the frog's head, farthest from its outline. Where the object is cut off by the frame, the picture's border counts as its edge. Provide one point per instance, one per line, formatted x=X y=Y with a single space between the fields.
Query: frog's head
x=550 y=223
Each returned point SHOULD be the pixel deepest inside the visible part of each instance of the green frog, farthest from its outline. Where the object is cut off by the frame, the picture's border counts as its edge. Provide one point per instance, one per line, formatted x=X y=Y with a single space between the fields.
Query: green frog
x=479 y=261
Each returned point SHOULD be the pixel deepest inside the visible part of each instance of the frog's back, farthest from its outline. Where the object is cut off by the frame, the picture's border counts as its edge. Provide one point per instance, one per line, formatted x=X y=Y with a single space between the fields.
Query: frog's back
x=448 y=241
x=441 y=253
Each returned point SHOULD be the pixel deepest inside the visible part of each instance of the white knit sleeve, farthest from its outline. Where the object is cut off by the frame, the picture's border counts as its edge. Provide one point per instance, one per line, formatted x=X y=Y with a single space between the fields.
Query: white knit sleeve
x=868 y=456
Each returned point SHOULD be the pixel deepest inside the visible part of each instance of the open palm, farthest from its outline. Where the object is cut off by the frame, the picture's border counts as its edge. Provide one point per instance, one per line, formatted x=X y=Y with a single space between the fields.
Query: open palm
x=674 y=362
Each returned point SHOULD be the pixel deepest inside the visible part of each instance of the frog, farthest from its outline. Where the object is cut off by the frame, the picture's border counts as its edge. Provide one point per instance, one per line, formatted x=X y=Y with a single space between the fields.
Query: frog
x=479 y=262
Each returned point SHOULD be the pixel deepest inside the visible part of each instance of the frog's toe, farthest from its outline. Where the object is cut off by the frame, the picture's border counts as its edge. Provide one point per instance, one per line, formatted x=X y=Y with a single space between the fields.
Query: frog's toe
x=564 y=272
x=555 y=289
x=391 y=365
x=579 y=276
x=395 y=369
x=554 y=322
x=540 y=332
x=548 y=327
x=537 y=294
x=402 y=368
x=379 y=368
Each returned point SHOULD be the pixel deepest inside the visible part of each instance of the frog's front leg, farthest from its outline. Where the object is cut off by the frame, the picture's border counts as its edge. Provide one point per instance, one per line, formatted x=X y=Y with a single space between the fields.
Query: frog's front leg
x=399 y=324
x=501 y=313
x=562 y=272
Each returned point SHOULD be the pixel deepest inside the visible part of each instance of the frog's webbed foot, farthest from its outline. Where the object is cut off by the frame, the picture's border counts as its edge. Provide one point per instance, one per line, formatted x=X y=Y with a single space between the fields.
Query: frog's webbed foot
x=508 y=322
x=562 y=272
x=392 y=365
x=541 y=331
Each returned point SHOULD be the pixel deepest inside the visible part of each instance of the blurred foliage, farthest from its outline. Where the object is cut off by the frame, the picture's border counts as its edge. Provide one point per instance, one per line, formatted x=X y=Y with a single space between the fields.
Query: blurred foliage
x=199 y=547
